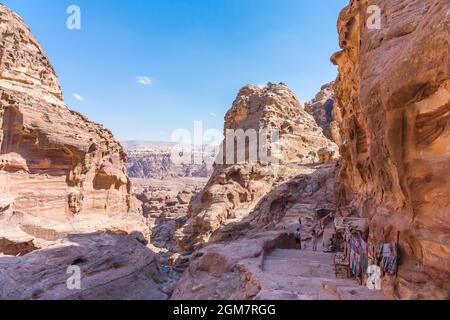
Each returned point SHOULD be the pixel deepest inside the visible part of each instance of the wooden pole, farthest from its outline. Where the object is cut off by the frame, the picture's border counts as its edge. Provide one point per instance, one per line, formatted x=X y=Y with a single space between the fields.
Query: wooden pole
x=398 y=252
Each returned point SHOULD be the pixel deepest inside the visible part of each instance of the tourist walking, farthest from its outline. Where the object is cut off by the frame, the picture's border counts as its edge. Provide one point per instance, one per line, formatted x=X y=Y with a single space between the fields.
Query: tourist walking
x=314 y=239
x=298 y=238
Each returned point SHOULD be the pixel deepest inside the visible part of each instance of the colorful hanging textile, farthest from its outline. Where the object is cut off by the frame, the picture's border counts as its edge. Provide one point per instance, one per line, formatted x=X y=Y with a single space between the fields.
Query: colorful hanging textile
x=364 y=252
x=358 y=250
x=386 y=256
x=363 y=255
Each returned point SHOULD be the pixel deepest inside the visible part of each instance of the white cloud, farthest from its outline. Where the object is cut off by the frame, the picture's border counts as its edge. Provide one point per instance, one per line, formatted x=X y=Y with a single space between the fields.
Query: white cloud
x=146 y=81
x=78 y=97
x=213 y=114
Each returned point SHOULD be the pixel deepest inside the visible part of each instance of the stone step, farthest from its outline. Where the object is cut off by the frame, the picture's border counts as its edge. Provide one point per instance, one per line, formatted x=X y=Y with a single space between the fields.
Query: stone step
x=304 y=274
x=326 y=258
x=297 y=266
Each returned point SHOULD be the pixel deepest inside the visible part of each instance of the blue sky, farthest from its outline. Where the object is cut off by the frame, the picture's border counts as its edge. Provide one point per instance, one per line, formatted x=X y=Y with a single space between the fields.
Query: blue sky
x=197 y=53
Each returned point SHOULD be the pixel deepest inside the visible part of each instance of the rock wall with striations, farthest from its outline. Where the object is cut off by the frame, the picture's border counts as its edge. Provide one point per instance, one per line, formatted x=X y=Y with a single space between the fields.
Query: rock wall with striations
x=64 y=192
x=54 y=162
x=393 y=92
x=326 y=115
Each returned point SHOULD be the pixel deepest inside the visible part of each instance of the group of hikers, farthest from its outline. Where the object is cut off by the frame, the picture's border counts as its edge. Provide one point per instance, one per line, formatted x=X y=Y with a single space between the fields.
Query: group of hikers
x=315 y=239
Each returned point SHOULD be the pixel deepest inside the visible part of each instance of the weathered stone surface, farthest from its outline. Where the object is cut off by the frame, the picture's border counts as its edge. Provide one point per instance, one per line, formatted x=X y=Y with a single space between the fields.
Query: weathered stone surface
x=323 y=109
x=299 y=197
x=242 y=215
x=112 y=267
x=165 y=211
x=235 y=189
x=257 y=258
x=325 y=155
x=393 y=92
x=64 y=192
x=53 y=161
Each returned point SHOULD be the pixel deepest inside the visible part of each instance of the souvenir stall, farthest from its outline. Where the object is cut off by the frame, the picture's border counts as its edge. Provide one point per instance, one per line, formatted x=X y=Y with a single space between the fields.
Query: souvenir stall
x=355 y=255
x=357 y=227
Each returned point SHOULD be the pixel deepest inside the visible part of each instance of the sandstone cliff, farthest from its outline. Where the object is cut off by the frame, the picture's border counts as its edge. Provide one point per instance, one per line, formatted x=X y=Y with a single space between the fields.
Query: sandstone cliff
x=393 y=92
x=53 y=161
x=326 y=115
x=64 y=191
x=235 y=188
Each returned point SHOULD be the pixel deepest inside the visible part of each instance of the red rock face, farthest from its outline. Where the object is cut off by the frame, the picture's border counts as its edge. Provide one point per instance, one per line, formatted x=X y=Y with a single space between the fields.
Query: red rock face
x=235 y=189
x=322 y=109
x=54 y=163
x=393 y=92
x=64 y=192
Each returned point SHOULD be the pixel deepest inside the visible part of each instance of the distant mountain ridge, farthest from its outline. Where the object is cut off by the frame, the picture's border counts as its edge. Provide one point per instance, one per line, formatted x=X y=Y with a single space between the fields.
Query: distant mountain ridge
x=143 y=144
x=153 y=160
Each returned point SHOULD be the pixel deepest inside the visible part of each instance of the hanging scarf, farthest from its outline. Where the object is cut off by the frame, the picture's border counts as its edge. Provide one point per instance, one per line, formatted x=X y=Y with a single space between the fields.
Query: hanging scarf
x=364 y=256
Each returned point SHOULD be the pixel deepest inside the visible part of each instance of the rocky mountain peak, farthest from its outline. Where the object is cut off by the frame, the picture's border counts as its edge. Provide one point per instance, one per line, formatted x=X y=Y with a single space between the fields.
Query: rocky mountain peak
x=64 y=192
x=23 y=63
x=235 y=188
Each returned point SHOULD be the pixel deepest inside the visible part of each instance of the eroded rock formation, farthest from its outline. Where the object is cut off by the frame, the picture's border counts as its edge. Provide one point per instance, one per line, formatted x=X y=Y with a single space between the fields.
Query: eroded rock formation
x=393 y=92
x=53 y=161
x=113 y=267
x=243 y=220
x=165 y=210
x=232 y=264
x=64 y=191
x=326 y=115
x=237 y=186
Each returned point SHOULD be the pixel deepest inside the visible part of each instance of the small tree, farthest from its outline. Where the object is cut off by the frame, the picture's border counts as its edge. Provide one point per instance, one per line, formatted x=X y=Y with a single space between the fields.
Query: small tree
x=313 y=156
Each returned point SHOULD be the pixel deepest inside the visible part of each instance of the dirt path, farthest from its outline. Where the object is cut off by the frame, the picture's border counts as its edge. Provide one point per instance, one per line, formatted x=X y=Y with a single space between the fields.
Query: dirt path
x=308 y=275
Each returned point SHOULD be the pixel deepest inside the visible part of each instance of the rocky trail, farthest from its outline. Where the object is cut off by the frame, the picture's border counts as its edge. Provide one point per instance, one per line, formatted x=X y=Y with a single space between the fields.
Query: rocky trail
x=307 y=275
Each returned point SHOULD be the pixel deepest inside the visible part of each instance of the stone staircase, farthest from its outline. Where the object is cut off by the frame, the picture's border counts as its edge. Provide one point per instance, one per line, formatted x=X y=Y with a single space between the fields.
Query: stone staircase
x=308 y=275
